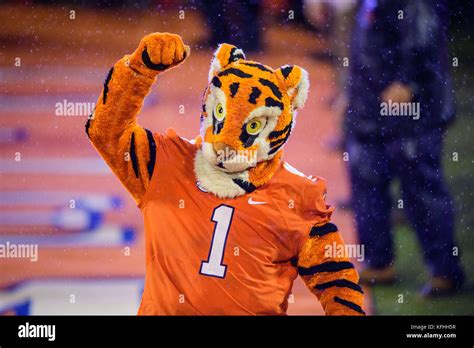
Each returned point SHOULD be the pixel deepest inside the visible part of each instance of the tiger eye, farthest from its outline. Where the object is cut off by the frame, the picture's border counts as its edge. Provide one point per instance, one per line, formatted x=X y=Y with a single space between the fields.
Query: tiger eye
x=219 y=112
x=254 y=127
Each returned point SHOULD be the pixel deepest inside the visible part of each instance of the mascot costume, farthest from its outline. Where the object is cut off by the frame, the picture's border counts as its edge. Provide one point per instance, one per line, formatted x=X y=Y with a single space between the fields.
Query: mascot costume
x=228 y=224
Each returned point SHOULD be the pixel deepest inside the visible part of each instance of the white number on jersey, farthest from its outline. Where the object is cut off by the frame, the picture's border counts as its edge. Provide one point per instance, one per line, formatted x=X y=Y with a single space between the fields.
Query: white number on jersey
x=222 y=216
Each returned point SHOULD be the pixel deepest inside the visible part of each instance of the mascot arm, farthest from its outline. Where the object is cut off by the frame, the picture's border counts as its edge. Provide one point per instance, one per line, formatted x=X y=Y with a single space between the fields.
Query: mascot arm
x=328 y=274
x=128 y=148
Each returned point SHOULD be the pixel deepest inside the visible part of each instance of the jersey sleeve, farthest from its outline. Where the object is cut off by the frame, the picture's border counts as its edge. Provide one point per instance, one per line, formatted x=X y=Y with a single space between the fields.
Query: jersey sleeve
x=314 y=204
x=328 y=274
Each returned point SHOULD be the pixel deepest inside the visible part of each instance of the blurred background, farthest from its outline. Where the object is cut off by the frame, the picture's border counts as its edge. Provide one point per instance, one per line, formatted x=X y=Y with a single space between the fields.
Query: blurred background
x=57 y=194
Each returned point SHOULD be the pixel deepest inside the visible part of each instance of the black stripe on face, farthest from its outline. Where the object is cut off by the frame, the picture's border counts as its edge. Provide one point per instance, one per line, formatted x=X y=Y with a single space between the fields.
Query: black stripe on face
x=276 y=134
x=330 y=266
x=349 y=304
x=269 y=102
x=286 y=71
x=216 y=82
x=133 y=155
x=323 y=230
x=275 y=149
x=234 y=87
x=340 y=283
x=236 y=72
x=246 y=138
x=106 y=85
x=217 y=125
x=275 y=90
x=282 y=140
x=277 y=144
x=152 y=148
x=245 y=185
x=254 y=95
x=259 y=66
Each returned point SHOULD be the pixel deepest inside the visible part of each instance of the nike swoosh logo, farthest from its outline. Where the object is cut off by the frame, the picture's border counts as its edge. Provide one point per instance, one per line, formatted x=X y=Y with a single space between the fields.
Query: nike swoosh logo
x=252 y=202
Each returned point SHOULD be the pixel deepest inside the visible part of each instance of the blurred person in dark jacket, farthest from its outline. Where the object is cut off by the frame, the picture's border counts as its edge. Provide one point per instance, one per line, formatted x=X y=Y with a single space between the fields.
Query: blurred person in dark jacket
x=401 y=100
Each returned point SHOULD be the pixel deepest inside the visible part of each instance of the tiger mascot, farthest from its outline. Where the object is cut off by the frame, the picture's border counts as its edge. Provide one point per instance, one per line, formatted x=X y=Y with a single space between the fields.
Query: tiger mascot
x=228 y=224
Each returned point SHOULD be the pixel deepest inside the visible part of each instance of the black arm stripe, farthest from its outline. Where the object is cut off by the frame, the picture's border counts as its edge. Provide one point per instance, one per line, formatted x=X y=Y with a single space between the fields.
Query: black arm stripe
x=88 y=125
x=152 y=147
x=340 y=283
x=331 y=266
x=349 y=304
x=323 y=230
x=133 y=155
x=106 y=85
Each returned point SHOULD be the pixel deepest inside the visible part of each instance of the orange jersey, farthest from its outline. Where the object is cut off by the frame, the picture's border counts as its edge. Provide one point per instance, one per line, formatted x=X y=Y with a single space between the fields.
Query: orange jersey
x=212 y=256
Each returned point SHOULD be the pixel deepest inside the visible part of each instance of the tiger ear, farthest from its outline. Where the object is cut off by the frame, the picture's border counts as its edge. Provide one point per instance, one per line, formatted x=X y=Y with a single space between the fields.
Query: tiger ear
x=295 y=82
x=224 y=55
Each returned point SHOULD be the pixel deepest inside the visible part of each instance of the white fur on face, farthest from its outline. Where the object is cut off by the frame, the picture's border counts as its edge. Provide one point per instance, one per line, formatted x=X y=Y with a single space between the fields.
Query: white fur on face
x=237 y=162
x=240 y=161
x=215 y=180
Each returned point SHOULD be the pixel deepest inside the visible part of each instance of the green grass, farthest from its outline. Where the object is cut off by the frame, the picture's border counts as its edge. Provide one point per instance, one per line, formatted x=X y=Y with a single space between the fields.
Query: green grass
x=412 y=275
x=460 y=176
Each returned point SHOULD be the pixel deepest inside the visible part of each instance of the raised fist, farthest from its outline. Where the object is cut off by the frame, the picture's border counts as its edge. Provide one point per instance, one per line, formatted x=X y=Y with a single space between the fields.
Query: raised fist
x=158 y=52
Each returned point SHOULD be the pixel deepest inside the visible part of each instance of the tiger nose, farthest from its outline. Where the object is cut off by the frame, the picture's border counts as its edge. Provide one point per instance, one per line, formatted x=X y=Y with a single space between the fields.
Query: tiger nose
x=224 y=151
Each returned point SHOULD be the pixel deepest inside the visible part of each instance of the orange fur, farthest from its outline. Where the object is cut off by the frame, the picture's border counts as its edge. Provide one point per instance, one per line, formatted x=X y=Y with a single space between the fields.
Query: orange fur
x=313 y=253
x=114 y=121
x=314 y=250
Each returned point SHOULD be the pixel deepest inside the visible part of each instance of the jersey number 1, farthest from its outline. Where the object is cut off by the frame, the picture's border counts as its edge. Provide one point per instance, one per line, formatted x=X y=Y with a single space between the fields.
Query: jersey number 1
x=222 y=216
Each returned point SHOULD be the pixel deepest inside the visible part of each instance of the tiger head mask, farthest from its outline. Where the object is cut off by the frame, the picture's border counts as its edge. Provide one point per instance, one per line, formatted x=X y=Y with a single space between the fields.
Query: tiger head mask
x=247 y=116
